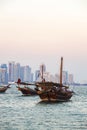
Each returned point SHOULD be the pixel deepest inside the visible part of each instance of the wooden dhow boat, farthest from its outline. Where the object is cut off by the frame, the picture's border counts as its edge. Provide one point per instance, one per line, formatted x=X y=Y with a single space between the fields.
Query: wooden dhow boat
x=4 y=88
x=49 y=91
x=23 y=87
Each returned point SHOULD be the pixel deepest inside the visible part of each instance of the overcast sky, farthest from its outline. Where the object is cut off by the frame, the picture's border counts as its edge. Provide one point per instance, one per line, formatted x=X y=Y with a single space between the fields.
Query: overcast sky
x=41 y=31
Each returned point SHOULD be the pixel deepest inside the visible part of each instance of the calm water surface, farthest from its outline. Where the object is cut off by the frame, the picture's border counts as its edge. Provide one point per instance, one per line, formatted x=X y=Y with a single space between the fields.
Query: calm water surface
x=19 y=112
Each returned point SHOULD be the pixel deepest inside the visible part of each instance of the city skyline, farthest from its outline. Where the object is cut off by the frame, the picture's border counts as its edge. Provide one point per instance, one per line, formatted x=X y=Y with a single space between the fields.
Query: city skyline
x=14 y=71
x=35 y=32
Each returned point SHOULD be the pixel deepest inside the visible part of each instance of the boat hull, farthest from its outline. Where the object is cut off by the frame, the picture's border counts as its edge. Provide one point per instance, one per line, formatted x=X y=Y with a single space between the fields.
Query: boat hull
x=46 y=97
x=55 y=95
x=3 y=89
x=27 y=91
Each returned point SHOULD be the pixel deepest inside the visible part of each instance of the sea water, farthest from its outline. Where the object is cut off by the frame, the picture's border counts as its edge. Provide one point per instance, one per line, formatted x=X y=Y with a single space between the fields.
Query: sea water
x=18 y=112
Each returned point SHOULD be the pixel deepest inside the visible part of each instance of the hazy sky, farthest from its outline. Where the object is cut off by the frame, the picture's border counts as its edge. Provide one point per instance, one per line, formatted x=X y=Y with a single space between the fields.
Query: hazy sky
x=41 y=31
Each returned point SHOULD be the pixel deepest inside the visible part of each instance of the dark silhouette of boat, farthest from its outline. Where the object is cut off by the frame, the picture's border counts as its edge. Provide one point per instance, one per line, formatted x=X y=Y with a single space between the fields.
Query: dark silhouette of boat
x=49 y=91
x=25 y=89
x=4 y=88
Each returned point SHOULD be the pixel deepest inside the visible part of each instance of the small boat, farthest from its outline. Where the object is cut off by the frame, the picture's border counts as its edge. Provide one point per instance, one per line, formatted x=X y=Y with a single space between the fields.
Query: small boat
x=25 y=90
x=49 y=91
x=4 y=88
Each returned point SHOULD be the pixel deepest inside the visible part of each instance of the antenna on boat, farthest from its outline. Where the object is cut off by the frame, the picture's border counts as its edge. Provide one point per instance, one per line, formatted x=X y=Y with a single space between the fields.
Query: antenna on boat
x=61 y=69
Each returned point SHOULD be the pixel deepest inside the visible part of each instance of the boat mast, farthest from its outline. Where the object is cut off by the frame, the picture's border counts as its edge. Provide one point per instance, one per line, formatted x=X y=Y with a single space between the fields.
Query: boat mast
x=61 y=69
x=42 y=72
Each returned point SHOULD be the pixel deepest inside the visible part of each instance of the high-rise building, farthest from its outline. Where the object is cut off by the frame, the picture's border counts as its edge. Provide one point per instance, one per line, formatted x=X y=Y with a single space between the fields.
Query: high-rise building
x=16 y=71
x=22 y=73
x=32 y=75
x=3 y=74
x=27 y=74
x=65 y=77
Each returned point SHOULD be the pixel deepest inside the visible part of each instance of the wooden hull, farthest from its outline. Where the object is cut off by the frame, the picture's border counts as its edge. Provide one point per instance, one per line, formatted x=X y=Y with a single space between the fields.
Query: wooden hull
x=55 y=95
x=3 y=89
x=27 y=91
x=46 y=97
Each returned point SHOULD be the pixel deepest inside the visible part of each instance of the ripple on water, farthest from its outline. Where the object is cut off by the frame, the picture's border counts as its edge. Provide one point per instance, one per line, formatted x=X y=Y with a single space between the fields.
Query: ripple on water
x=19 y=112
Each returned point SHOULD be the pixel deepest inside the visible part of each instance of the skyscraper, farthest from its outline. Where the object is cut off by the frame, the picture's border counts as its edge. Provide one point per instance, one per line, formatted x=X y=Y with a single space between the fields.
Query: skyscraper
x=70 y=79
x=27 y=74
x=65 y=77
x=3 y=74
x=16 y=71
